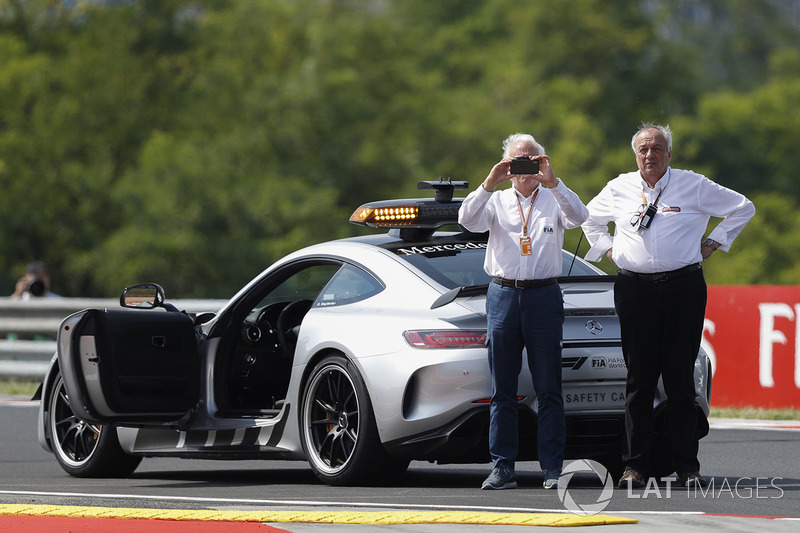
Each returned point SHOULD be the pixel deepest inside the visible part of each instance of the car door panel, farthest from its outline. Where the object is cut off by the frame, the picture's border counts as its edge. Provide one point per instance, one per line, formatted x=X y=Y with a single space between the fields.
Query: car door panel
x=130 y=366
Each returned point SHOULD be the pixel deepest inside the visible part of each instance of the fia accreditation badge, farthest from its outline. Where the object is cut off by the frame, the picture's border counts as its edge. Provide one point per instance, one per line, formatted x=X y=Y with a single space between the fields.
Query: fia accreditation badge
x=525 y=245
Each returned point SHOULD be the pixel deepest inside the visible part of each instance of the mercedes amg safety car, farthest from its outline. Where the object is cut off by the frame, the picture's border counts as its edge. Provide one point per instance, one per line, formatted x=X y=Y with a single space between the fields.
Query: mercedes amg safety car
x=357 y=355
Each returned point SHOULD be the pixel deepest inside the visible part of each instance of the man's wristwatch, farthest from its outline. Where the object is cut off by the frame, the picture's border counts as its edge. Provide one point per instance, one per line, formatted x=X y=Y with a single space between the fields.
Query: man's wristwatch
x=711 y=244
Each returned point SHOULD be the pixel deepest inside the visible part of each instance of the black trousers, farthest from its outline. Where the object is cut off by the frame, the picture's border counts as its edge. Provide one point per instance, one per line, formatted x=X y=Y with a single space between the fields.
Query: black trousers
x=661 y=325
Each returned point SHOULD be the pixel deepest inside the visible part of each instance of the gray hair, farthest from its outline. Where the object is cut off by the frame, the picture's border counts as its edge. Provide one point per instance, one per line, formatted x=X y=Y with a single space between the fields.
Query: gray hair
x=665 y=131
x=36 y=267
x=511 y=140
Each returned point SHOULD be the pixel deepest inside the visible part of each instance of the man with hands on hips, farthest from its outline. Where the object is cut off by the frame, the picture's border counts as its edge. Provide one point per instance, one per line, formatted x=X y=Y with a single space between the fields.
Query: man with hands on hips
x=524 y=305
x=660 y=216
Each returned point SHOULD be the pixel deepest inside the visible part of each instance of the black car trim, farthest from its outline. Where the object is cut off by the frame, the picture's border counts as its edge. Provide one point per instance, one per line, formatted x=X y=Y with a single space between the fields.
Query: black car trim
x=480 y=290
x=277 y=430
x=459 y=292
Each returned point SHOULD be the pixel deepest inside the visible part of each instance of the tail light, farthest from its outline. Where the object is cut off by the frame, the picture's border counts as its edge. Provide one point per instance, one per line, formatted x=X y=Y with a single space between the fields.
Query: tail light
x=489 y=400
x=459 y=338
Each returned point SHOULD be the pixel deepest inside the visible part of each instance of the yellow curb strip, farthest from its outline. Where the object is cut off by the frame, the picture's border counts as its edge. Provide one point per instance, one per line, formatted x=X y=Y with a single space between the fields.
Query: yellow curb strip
x=322 y=517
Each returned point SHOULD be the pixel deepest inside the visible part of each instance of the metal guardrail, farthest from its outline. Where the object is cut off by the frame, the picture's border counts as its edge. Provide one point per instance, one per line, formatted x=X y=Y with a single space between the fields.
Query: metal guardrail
x=28 y=329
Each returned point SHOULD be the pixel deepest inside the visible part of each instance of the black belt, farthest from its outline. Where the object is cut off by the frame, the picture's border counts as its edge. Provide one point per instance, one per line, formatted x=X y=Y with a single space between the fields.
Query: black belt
x=524 y=283
x=660 y=277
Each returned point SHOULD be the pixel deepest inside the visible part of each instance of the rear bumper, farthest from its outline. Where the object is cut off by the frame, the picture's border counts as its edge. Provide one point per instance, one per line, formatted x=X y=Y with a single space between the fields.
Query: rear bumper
x=466 y=440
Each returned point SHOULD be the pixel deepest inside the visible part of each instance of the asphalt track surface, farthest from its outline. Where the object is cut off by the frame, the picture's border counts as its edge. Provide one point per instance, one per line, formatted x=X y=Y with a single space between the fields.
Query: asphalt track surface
x=30 y=513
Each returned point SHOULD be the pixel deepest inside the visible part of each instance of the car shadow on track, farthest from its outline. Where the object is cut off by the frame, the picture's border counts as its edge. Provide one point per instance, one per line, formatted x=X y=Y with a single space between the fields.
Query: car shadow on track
x=299 y=474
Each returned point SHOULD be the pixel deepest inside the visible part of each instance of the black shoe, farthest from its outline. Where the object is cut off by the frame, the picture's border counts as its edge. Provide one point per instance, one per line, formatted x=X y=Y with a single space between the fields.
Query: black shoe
x=631 y=477
x=692 y=480
x=501 y=478
x=551 y=477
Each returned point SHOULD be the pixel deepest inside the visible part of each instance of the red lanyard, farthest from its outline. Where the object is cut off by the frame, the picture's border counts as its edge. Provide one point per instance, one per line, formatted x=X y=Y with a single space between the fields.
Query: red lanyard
x=526 y=219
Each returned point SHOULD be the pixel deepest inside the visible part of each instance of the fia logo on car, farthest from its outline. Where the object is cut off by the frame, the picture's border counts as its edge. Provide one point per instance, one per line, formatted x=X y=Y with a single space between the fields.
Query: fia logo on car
x=603 y=362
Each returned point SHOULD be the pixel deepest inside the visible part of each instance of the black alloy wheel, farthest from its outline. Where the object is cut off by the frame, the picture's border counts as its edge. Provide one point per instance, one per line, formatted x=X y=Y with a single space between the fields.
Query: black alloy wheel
x=83 y=449
x=339 y=434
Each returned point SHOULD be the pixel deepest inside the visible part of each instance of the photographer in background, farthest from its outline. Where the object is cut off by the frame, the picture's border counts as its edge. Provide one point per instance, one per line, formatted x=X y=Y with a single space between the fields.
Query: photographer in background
x=35 y=283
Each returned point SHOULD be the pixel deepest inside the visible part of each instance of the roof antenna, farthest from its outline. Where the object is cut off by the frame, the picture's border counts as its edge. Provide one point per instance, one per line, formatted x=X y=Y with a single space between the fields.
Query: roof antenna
x=575 y=254
x=444 y=189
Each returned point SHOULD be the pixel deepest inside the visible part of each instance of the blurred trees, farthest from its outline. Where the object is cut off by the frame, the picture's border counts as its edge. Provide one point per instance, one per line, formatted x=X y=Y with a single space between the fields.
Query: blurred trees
x=194 y=142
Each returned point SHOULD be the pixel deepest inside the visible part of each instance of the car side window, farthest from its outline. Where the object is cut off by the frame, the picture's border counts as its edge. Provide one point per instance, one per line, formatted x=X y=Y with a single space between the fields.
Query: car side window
x=349 y=285
x=304 y=284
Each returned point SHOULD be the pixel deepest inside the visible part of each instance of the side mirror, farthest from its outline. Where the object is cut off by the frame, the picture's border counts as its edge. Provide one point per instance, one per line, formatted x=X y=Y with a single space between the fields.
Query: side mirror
x=143 y=296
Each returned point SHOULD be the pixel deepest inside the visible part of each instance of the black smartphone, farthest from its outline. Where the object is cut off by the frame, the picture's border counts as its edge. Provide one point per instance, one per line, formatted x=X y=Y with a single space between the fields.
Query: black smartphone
x=523 y=165
x=647 y=216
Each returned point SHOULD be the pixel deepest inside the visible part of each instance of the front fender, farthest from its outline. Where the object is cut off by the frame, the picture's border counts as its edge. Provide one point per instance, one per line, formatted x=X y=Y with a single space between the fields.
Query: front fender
x=43 y=430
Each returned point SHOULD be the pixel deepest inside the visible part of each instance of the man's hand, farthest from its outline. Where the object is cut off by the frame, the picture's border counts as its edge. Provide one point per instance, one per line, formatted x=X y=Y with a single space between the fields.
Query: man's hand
x=546 y=176
x=21 y=286
x=499 y=173
x=609 y=256
x=502 y=172
x=706 y=250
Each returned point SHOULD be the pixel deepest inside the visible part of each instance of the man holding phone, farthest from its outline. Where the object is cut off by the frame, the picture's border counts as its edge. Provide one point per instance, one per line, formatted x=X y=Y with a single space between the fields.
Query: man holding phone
x=524 y=307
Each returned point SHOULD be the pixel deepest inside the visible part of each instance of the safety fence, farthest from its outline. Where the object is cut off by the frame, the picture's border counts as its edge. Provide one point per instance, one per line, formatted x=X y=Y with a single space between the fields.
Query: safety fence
x=751 y=333
x=28 y=329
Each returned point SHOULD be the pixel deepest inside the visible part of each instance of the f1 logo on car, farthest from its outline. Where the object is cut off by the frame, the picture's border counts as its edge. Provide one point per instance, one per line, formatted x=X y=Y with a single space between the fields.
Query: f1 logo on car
x=573 y=362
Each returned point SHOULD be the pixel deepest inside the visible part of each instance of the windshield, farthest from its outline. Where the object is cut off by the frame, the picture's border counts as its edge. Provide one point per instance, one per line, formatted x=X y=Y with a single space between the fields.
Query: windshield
x=457 y=261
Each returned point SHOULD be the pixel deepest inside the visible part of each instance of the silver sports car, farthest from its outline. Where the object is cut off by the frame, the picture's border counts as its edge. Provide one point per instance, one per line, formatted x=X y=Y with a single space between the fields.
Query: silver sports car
x=357 y=355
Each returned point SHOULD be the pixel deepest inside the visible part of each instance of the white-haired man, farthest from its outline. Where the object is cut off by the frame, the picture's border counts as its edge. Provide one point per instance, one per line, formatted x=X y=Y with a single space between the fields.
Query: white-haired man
x=660 y=216
x=524 y=306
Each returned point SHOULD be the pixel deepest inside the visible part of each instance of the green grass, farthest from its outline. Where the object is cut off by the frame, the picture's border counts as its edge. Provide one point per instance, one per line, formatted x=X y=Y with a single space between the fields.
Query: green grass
x=17 y=387
x=758 y=413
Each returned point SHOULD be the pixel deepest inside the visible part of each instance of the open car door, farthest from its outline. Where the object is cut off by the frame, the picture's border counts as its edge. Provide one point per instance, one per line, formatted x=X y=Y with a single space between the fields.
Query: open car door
x=130 y=367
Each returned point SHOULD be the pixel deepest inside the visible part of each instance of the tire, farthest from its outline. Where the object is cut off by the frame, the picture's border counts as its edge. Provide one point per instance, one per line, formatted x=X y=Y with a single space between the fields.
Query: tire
x=83 y=449
x=339 y=434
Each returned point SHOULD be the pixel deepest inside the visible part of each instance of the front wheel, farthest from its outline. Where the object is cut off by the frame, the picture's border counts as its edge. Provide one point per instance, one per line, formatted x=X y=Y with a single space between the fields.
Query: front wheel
x=83 y=449
x=339 y=434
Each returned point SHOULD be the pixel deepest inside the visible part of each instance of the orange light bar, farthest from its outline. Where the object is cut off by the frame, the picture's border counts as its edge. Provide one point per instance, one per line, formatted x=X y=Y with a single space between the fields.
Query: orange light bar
x=361 y=214
x=384 y=215
x=389 y=214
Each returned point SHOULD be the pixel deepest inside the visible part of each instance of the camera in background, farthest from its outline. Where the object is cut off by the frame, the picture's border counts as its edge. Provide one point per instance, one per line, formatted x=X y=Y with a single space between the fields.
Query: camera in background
x=36 y=287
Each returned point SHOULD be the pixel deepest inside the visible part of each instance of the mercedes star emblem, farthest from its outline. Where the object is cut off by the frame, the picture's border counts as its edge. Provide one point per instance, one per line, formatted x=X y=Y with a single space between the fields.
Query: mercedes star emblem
x=594 y=327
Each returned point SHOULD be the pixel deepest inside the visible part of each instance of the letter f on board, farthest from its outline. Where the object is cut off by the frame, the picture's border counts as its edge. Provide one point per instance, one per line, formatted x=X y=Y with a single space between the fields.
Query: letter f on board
x=768 y=336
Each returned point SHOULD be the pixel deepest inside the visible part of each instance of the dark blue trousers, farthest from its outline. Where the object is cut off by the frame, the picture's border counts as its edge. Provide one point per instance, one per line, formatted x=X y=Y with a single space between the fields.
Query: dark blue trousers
x=531 y=319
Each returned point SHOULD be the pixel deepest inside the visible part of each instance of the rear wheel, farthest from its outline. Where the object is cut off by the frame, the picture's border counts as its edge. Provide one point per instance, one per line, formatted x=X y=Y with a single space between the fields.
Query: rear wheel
x=339 y=434
x=83 y=449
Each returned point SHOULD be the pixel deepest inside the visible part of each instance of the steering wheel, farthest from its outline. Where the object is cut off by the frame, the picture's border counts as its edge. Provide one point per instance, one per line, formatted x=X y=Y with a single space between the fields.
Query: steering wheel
x=288 y=325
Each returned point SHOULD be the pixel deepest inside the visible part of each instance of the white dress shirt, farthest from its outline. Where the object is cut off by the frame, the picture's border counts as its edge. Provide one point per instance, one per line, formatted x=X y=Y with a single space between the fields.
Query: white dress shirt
x=498 y=213
x=673 y=239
